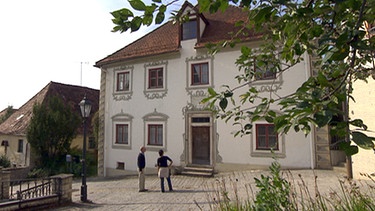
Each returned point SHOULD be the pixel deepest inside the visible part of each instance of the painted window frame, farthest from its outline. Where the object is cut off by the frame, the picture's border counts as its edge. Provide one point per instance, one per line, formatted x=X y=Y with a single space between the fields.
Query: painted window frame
x=279 y=152
x=123 y=130
x=155 y=92
x=159 y=80
x=190 y=62
x=266 y=135
x=123 y=85
x=155 y=119
x=153 y=138
x=122 y=119
x=201 y=74
x=122 y=94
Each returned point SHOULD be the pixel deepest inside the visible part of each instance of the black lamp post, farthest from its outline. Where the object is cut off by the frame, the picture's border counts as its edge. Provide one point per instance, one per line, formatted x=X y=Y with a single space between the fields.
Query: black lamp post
x=85 y=110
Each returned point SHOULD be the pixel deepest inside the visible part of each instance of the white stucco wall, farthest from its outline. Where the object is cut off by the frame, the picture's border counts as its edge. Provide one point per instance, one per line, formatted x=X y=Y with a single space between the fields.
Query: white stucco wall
x=232 y=149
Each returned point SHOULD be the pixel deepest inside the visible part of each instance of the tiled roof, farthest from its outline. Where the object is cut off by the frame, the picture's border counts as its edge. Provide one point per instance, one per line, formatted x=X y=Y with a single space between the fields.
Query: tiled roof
x=71 y=95
x=165 y=39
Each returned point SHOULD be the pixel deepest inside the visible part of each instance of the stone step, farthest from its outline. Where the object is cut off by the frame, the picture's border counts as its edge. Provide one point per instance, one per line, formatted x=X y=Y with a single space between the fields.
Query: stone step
x=192 y=170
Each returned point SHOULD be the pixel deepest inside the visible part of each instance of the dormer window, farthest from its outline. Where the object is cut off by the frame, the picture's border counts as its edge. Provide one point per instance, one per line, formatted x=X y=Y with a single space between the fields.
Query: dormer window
x=189 y=30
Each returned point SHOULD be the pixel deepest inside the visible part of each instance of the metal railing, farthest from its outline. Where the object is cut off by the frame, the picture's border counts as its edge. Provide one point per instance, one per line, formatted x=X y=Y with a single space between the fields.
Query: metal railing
x=33 y=188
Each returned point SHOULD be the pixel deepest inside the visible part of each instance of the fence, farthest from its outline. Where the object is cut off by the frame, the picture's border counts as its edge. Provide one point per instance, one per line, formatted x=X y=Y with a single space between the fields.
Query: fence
x=33 y=193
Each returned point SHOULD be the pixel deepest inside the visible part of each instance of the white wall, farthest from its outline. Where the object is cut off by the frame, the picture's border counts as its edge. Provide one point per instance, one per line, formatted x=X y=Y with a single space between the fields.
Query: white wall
x=231 y=149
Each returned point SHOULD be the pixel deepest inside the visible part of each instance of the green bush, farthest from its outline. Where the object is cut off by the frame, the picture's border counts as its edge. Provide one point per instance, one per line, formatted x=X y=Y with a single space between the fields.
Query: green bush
x=4 y=161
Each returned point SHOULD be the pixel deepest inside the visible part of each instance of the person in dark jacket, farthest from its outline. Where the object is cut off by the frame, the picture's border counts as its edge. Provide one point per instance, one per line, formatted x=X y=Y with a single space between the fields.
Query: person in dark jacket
x=164 y=170
x=141 y=163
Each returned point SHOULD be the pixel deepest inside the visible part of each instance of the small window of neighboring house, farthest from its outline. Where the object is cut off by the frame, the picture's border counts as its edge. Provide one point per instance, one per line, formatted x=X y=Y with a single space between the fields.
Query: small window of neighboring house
x=122 y=134
x=266 y=137
x=155 y=135
x=123 y=81
x=155 y=79
x=20 y=146
x=266 y=72
x=189 y=30
x=199 y=74
x=92 y=144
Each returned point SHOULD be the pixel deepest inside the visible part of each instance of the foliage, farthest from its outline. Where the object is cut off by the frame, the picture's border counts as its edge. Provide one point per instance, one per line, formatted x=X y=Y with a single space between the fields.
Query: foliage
x=51 y=131
x=95 y=126
x=278 y=190
x=274 y=191
x=9 y=111
x=75 y=167
x=38 y=173
x=4 y=161
x=334 y=33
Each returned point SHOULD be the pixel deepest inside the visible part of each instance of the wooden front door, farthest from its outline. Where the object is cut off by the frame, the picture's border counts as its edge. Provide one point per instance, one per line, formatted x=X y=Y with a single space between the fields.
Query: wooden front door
x=201 y=145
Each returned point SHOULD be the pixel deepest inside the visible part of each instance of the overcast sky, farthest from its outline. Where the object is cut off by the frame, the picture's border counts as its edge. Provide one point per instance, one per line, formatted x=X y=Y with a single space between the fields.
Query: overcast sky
x=53 y=40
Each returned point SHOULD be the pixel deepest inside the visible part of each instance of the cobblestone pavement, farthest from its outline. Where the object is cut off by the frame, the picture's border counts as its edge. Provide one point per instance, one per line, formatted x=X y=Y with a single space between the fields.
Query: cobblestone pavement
x=190 y=193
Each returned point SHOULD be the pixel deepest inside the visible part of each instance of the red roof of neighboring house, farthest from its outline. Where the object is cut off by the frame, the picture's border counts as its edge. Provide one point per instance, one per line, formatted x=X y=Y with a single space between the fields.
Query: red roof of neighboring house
x=71 y=95
x=166 y=38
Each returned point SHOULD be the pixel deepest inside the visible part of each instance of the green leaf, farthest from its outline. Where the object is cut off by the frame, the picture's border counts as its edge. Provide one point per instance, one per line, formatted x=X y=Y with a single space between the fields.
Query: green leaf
x=136 y=24
x=348 y=149
x=137 y=5
x=212 y=92
x=223 y=104
x=323 y=118
x=362 y=140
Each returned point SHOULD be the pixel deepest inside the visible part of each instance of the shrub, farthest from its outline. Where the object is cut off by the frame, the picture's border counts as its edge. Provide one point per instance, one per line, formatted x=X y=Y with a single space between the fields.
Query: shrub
x=4 y=161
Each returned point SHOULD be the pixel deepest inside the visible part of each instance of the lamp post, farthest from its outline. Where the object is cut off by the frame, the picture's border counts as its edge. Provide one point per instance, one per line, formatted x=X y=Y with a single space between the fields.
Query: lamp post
x=85 y=111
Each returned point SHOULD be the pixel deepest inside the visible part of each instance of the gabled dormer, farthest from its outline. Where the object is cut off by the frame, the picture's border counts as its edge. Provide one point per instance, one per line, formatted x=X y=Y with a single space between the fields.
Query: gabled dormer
x=194 y=27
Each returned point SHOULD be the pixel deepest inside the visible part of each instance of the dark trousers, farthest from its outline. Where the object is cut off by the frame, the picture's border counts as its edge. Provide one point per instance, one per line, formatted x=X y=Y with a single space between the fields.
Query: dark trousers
x=169 y=184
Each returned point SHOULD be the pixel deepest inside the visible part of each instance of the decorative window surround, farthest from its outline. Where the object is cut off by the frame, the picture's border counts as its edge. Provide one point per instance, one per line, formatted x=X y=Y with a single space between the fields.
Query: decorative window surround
x=155 y=93
x=122 y=118
x=122 y=95
x=267 y=85
x=280 y=153
x=197 y=60
x=155 y=118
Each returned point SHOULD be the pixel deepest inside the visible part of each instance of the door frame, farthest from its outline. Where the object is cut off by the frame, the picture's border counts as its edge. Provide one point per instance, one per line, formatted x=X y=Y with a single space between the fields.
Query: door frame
x=189 y=124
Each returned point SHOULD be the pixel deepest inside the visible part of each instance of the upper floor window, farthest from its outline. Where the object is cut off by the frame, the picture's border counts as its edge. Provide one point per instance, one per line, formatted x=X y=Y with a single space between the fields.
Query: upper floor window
x=122 y=134
x=189 y=30
x=266 y=137
x=155 y=135
x=155 y=78
x=123 y=81
x=264 y=72
x=199 y=74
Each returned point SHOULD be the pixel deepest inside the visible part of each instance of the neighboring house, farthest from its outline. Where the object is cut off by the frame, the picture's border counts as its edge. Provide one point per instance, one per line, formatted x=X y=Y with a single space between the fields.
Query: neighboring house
x=13 y=130
x=151 y=91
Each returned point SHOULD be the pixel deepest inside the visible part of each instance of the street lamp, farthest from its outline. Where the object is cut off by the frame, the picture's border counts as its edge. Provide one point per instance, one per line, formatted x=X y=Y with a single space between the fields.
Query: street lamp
x=85 y=111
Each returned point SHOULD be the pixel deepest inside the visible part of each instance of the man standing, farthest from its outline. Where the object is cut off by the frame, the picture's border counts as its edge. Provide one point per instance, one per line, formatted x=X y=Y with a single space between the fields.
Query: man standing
x=141 y=163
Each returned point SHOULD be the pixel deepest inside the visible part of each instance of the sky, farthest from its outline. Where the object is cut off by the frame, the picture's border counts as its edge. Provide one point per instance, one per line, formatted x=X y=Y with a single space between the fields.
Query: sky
x=55 y=40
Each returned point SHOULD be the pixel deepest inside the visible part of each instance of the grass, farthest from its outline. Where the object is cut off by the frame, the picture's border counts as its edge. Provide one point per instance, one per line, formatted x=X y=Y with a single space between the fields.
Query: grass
x=279 y=190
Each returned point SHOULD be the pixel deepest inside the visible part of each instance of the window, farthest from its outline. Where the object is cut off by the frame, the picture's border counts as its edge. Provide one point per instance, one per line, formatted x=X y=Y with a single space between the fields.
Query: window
x=123 y=81
x=155 y=135
x=155 y=79
x=122 y=134
x=199 y=74
x=189 y=30
x=266 y=72
x=266 y=137
x=20 y=145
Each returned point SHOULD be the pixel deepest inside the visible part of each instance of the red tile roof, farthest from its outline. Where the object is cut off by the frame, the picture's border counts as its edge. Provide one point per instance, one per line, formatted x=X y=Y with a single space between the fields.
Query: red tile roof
x=71 y=95
x=165 y=39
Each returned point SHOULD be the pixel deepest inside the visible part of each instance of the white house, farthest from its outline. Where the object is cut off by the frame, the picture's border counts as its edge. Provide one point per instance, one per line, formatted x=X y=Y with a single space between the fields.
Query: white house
x=151 y=91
